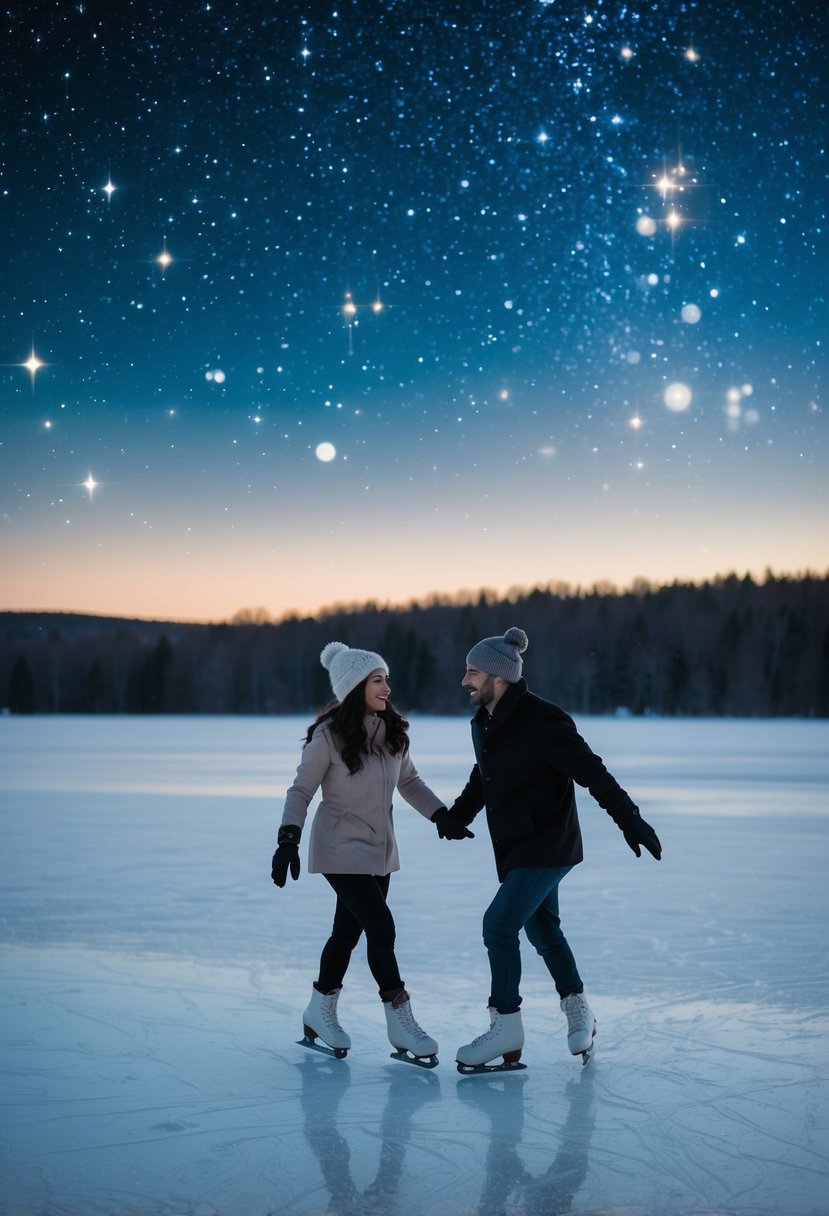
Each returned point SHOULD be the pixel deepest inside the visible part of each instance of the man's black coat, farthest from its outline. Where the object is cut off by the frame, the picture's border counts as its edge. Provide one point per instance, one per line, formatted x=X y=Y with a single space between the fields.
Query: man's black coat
x=528 y=755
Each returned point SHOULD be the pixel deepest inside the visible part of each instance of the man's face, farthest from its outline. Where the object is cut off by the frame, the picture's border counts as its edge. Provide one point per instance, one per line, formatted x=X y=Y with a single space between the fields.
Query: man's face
x=481 y=686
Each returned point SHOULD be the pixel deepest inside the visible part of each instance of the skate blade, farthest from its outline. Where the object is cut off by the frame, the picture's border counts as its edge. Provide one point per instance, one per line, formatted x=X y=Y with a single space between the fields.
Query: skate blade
x=339 y=1053
x=406 y=1057
x=587 y=1055
x=472 y=1070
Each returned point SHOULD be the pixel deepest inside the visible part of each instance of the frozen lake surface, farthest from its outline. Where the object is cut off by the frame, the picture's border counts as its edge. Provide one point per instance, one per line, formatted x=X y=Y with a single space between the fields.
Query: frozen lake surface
x=154 y=981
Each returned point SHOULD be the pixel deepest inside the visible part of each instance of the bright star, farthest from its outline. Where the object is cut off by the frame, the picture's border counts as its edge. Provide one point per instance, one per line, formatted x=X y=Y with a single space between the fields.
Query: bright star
x=90 y=484
x=164 y=258
x=33 y=365
x=108 y=189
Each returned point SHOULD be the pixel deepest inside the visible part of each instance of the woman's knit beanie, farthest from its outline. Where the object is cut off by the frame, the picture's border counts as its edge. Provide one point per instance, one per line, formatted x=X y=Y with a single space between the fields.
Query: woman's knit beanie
x=347 y=668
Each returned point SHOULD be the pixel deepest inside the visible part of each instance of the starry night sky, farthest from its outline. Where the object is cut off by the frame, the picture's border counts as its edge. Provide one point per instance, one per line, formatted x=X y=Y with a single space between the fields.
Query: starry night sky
x=548 y=279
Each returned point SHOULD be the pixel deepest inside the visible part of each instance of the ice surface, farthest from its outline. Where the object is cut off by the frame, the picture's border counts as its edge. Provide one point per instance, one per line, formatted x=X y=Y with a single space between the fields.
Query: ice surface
x=154 y=979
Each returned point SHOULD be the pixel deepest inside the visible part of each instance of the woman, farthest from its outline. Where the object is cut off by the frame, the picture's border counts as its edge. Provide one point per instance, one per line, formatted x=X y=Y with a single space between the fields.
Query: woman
x=358 y=751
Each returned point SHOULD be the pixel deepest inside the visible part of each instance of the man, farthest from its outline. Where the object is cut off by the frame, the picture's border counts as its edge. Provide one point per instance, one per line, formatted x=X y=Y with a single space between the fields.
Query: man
x=528 y=755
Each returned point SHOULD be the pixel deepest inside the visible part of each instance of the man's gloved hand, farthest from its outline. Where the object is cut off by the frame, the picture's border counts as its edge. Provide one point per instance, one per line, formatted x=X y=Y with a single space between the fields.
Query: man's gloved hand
x=449 y=826
x=637 y=832
x=286 y=856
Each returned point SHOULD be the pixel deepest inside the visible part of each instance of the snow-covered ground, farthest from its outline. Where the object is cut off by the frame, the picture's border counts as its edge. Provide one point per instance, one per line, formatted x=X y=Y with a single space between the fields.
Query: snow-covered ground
x=154 y=979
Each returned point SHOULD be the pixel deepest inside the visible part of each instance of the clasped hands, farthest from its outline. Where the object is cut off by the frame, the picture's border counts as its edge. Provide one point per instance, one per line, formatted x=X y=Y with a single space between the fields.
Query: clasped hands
x=449 y=826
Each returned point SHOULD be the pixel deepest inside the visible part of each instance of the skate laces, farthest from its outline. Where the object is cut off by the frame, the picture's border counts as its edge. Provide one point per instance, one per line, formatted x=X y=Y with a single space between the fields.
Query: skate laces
x=328 y=1008
x=488 y=1034
x=403 y=1009
x=577 y=1011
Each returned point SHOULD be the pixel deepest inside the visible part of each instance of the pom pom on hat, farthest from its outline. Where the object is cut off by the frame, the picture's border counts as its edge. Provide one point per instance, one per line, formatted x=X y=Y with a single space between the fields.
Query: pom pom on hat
x=330 y=652
x=500 y=656
x=347 y=668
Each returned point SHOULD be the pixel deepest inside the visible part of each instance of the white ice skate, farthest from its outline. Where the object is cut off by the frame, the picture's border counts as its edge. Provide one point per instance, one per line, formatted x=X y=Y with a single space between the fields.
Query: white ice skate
x=412 y=1044
x=320 y=1021
x=581 y=1025
x=505 y=1037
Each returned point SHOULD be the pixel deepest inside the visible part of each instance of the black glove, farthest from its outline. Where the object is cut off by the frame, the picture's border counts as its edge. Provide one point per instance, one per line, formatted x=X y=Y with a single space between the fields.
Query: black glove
x=287 y=855
x=637 y=832
x=449 y=826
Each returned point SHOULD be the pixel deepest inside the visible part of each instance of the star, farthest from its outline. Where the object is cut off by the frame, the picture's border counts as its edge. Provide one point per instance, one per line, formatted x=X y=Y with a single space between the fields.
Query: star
x=349 y=311
x=164 y=258
x=90 y=485
x=108 y=189
x=33 y=365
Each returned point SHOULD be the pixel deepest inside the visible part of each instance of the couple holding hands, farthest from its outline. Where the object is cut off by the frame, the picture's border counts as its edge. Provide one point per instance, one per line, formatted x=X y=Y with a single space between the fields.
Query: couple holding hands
x=528 y=755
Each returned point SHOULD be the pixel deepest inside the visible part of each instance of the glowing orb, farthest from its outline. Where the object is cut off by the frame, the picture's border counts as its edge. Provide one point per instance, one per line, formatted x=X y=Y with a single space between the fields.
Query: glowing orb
x=645 y=225
x=325 y=452
x=691 y=313
x=677 y=397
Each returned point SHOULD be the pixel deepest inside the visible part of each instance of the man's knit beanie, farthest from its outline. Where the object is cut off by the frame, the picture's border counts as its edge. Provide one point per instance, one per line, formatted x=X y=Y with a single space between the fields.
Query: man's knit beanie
x=500 y=656
x=347 y=668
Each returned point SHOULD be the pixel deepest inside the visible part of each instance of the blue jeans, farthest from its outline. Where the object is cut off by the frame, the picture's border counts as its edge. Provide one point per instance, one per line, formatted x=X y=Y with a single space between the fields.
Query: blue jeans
x=527 y=899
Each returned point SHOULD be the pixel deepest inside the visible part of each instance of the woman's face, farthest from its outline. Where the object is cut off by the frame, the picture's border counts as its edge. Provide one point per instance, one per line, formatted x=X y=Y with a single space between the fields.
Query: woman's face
x=377 y=691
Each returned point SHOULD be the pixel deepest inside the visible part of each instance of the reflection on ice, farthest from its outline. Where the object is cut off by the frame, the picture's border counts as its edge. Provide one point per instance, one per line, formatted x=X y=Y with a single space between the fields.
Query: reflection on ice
x=323 y=1085
x=154 y=982
x=508 y=1185
x=492 y=1111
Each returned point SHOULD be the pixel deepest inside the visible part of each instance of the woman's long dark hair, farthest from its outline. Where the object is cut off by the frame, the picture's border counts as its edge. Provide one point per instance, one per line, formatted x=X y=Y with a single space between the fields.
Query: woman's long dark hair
x=347 y=717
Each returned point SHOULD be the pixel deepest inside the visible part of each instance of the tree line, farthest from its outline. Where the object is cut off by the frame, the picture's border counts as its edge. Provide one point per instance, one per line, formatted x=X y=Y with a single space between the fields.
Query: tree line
x=734 y=646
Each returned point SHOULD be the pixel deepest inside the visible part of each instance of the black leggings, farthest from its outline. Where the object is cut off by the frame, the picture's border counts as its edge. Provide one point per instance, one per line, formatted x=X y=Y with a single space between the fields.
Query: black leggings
x=361 y=908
